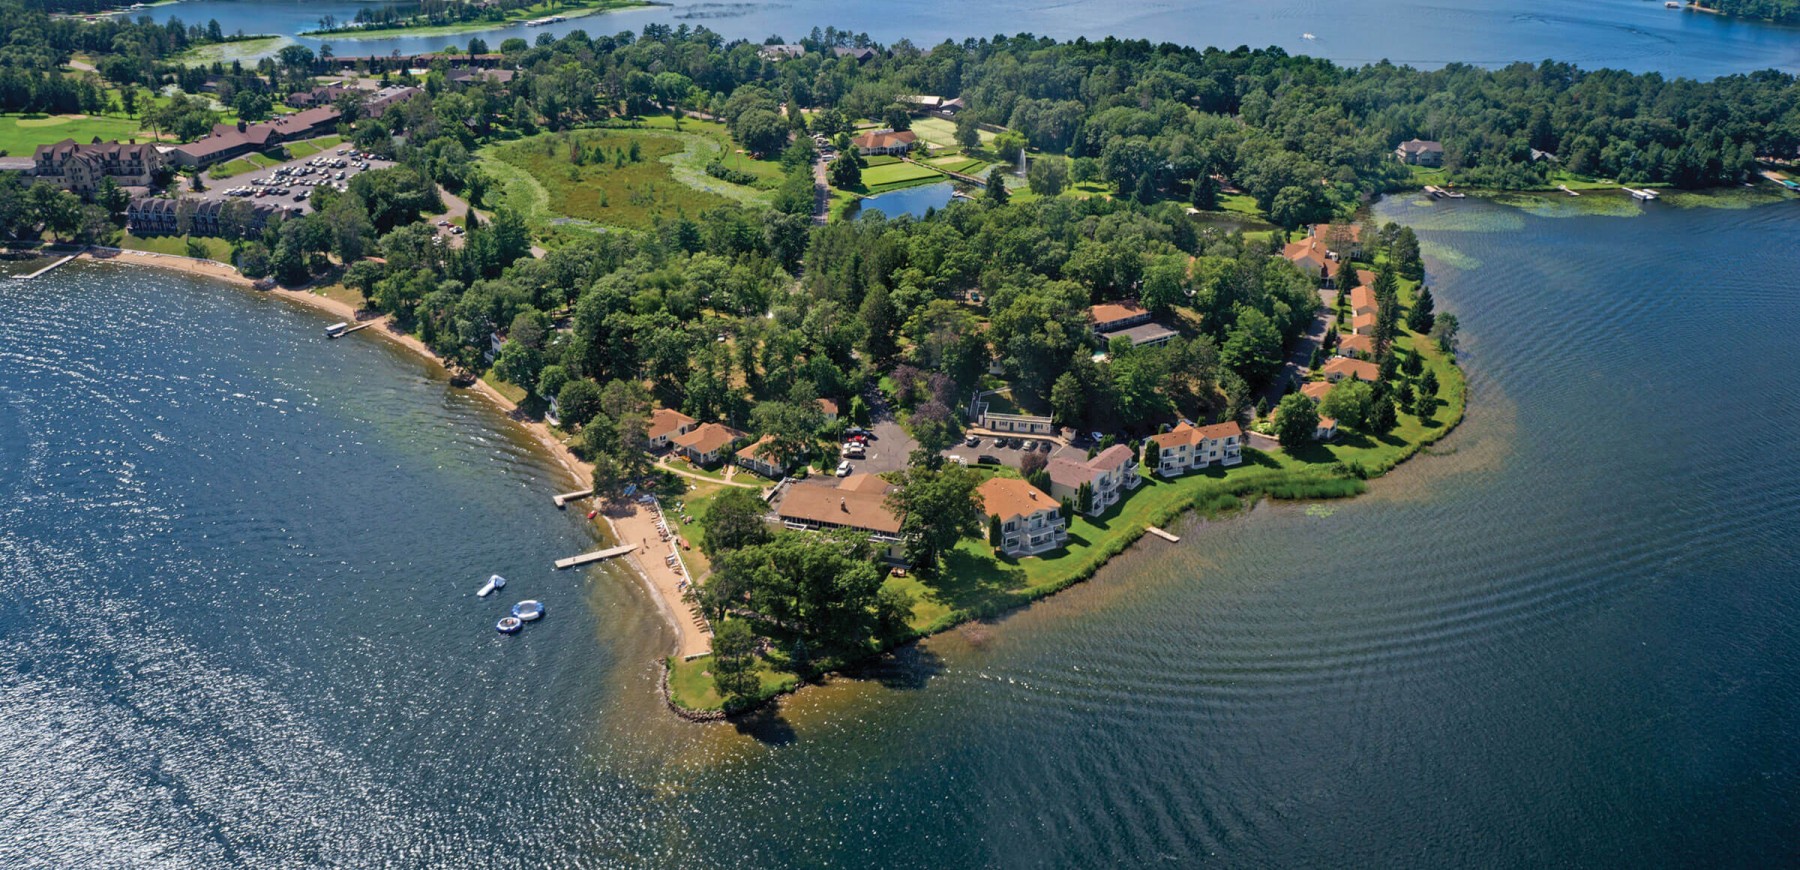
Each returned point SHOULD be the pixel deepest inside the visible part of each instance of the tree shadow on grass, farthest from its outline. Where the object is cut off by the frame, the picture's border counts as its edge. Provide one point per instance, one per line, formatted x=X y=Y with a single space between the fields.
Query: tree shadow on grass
x=969 y=581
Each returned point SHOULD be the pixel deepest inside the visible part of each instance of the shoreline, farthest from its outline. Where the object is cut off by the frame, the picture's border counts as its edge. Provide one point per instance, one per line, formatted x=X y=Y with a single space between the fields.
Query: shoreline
x=425 y=31
x=625 y=523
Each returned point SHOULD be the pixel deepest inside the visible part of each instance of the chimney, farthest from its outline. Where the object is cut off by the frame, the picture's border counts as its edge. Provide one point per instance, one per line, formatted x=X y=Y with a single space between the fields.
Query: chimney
x=242 y=126
x=844 y=505
x=1031 y=494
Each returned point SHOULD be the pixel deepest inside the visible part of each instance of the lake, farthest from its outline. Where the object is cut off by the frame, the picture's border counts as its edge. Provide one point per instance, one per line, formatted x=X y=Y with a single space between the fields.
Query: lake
x=239 y=626
x=1638 y=35
x=914 y=201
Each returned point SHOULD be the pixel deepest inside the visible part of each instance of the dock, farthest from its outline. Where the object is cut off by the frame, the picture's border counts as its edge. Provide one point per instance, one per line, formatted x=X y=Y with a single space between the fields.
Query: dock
x=567 y=497
x=595 y=556
x=1645 y=195
x=1565 y=189
x=45 y=269
x=364 y=325
x=1436 y=192
x=1171 y=538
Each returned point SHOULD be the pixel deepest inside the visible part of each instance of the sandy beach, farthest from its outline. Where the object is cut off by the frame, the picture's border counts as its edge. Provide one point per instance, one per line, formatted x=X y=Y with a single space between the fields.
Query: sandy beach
x=627 y=523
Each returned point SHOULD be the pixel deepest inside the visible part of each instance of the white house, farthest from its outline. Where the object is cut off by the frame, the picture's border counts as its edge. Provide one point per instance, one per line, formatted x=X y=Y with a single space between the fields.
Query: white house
x=666 y=424
x=1188 y=447
x=1031 y=521
x=1109 y=475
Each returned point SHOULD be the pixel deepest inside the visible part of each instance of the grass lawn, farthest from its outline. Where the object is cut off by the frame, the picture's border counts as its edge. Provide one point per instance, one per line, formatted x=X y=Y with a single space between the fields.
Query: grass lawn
x=877 y=179
x=942 y=133
x=880 y=160
x=564 y=8
x=216 y=248
x=21 y=134
x=310 y=147
x=246 y=163
x=246 y=50
x=965 y=165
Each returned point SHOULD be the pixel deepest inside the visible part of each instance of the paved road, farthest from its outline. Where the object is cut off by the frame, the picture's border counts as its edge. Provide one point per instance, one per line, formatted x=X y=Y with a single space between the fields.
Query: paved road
x=821 y=193
x=1295 y=370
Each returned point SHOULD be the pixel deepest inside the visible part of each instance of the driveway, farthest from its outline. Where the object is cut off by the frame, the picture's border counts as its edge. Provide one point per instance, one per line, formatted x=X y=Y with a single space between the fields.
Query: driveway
x=1294 y=370
x=990 y=448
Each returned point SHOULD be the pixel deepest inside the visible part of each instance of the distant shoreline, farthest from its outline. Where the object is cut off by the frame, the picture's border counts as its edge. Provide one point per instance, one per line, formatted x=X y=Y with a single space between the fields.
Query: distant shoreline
x=576 y=9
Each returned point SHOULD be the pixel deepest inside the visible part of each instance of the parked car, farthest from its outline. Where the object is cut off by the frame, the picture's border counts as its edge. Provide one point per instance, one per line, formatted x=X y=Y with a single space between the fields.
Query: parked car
x=843 y=469
x=972 y=441
x=456 y=231
x=1028 y=445
x=1044 y=446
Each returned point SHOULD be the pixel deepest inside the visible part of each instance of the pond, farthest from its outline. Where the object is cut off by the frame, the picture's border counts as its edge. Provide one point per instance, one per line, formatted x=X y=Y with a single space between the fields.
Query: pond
x=915 y=201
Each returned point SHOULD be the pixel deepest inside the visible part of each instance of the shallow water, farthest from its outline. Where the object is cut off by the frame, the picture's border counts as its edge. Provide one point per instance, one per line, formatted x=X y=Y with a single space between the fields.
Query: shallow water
x=1638 y=35
x=239 y=626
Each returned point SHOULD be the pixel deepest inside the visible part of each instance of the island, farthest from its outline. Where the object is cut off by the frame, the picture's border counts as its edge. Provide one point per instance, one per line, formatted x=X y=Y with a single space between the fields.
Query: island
x=461 y=16
x=1152 y=283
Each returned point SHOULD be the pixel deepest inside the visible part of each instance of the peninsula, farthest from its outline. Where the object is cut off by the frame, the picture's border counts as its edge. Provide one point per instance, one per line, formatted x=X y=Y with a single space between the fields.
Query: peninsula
x=461 y=16
x=1150 y=285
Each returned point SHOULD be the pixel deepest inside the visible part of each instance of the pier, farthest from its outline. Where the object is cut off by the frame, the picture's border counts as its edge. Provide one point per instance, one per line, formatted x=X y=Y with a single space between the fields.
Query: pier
x=1171 y=538
x=595 y=556
x=1644 y=195
x=1565 y=189
x=565 y=498
x=45 y=269
x=1436 y=192
x=364 y=325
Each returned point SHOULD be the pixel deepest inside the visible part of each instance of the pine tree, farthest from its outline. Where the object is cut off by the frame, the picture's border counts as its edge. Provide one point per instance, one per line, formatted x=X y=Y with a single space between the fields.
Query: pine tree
x=996 y=187
x=1420 y=318
x=994 y=534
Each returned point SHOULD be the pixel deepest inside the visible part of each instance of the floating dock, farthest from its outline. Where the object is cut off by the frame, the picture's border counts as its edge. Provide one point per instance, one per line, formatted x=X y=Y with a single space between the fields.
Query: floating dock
x=1565 y=189
x=595 y=556
x=567 y=497
x=1171 y=538
x=45 y=269
x=1646 y=194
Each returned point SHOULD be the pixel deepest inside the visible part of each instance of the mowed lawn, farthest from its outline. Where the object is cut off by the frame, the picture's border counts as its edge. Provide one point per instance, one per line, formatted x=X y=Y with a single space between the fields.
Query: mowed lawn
x=21 y=134
x=599 y=189
x=310 y=147
x=879 y=178
x=942 y=133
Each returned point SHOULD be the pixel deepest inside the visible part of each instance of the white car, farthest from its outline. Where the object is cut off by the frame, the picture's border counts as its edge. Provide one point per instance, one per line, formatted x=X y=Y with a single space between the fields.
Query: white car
x=843 y=469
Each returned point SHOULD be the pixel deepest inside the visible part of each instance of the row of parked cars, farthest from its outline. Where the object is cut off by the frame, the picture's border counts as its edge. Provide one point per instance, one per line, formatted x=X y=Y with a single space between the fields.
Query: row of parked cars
x=1011 y=443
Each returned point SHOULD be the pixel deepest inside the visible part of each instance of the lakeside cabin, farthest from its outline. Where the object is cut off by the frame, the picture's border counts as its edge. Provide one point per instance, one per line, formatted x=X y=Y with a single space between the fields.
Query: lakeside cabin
x=1031 y=522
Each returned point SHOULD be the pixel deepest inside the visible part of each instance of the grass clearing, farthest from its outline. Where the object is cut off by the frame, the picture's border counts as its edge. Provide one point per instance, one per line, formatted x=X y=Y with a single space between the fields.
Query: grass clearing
x=309 y=147
x=246 y=163
x=245 y=50
x=216 y=248
x=878 y=179
x=21 y=134
x=942 y=133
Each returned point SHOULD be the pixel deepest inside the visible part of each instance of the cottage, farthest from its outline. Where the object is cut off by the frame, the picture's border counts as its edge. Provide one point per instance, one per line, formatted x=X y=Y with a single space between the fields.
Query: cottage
x=666 y=424
x=1339 y=367
x=760 y=459
x=1316 y=390
x=1310 y=255
x=1420 y=152
x=857 y=54
x=1362 y=301
x=885 y=142
x=1109 y=475
x=829 y=408
x=706 y=444
x=1031 y=521
x=1188 y=447
x=82 y=168
x=1356 y=345
x=1362 y=324
x=858 y=502
x=1326 y=430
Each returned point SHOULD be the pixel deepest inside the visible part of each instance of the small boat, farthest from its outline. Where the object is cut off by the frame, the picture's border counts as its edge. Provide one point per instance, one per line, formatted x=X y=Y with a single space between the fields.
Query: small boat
x=529 y=610
x=494 y=582
x=336 y=329
x=1307 y=36
x=592 y=514
x=508 y=625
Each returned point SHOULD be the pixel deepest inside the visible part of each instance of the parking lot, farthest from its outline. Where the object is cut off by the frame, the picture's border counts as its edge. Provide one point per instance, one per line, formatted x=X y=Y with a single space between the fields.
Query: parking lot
x=1008 y=451
x=290 y=184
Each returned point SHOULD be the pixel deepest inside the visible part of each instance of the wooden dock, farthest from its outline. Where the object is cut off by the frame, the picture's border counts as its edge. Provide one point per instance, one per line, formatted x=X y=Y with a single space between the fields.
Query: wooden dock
x=1565 y=189
x=595 y=556
x=1644 y=195
x=1171 y=538
x=45 y=269
x=567 y=497
x=363 y=325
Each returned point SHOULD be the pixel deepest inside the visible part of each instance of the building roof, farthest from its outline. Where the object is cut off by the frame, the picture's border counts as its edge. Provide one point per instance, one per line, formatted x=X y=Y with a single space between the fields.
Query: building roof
x=1420 y=146
x=854 y=508
x=1357 y=343
x=865 y=483
x=69 y=148
x=664 y=422
x=1069 y=472
x=1361 y=370
x=758 y=452
x=885 y=139
x=1364 y=320
x=1353 y=231
x=707 y=438
x=1143 y=333
x=1362 y=299
x=1113 y=312
x=858 y=53
x=1310 y=254
x=1009 y=497
x=1315 y=390
x=1191 y=435
x=828 y=407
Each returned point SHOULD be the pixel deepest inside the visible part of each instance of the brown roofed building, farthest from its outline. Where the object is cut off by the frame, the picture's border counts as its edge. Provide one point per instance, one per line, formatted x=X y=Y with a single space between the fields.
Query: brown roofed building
x=1362 y=300
x=885 y=142
x=1109 y=475
x=1187 y=447
x=1356 y=345
x=1420 y=152
x=80 y=168
x=1310 y=255
x=1363 y=324
x=1031 y=522
x=758 y=458
x=706 y=444
x=666 y=424
x=1351 y=235
x=1339 y=367
x=855 y=503
x=1108 y=316
x=1316 y=390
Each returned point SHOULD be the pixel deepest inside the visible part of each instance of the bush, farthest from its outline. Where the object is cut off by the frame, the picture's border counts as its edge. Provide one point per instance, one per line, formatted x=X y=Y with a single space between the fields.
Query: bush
x=725 y=173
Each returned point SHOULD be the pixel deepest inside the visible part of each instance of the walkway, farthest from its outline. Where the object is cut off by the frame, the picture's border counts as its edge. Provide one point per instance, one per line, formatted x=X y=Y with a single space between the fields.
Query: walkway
x=821 y=193
x=666 y=466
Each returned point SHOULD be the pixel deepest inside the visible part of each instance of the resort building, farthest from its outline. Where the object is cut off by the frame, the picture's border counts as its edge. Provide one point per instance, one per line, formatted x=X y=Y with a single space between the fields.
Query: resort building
x=1031 y=521
x=1128 y=320
x=885 y=142
x=1310 y=255
x=321 y=96
x=706 y=443
x=1316 y=390
x=161 y=216
x=80 y=168
x=1356 y=345
x=758 y=458
x=857 y=502
x=1334 y=236
x=1109 y=475
x=1362 y=300
x=1362 y=324
x=1339 y=367
x=666 y=424
x=1420 y=152
x=1188 y=447
x=229 y=141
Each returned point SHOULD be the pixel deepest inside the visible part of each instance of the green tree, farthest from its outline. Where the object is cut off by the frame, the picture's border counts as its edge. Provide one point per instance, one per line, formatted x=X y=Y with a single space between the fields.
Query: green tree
x=1047 y=176
x=1296 y=420
x=1206 y=193
x=734 y=663
x=968 y=134
x=733 y=521
x=995 y=536
x=1350 y=402
x=996 y=192
x=1165 y=284
x=792 y=428
x=1443 y=331
x=578 y=401
x=846 y=173
x=1420 y=318
x=937 y=508
x=551 y=380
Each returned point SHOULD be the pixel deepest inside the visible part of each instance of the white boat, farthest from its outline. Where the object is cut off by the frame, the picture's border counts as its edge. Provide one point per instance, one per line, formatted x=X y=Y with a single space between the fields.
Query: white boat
x=336 y=329
x=494 y=582
x=508 y=625
x=528 y=610
x=1307 y=36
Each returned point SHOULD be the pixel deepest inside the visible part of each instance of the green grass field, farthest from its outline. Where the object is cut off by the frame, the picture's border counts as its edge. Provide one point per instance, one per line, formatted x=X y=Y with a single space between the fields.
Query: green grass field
x=310 y=147
x=216 y=248
x=941 y=133
x=564 y=8
x=246 y=50
x=246 y=163
x=21 y=134
x=877 y=179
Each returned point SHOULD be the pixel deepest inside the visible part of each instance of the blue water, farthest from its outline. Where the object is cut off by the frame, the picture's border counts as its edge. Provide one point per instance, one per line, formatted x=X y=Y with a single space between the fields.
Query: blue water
x=915 y=201
x=238 y=625
x=1638 y=35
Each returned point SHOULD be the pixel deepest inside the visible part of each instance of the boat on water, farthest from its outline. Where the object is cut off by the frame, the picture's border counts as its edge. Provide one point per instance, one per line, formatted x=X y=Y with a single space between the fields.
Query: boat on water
x=1307 y=36
x=336 y=329
x=528 y=610
x=494 y=582
x=508 y=625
